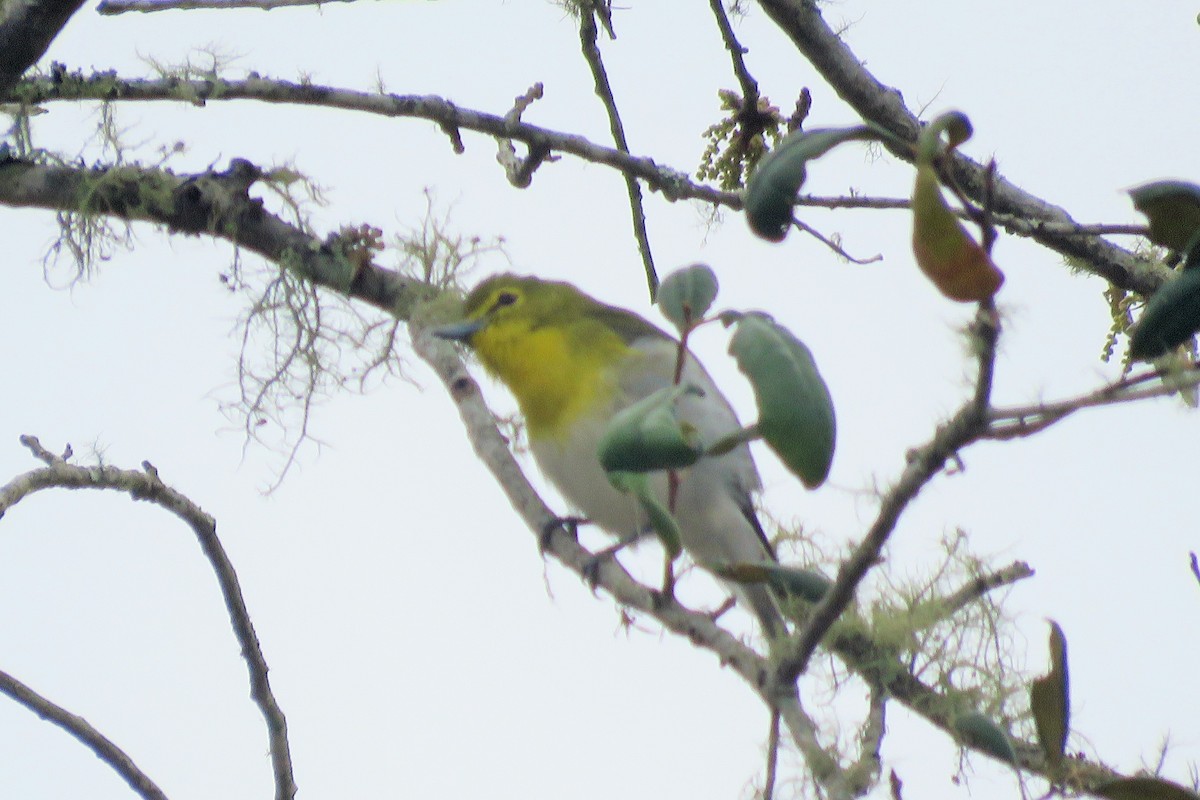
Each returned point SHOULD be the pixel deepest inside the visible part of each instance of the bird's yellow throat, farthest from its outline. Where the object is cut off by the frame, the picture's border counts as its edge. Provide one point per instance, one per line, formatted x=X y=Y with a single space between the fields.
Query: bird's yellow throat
x=557 y=373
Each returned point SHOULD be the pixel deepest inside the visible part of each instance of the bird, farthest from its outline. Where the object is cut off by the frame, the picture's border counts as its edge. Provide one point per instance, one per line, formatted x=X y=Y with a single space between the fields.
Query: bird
x=572 y=363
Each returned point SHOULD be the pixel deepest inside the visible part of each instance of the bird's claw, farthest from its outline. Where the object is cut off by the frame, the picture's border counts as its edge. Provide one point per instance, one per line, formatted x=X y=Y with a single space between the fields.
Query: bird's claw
x=568 y=525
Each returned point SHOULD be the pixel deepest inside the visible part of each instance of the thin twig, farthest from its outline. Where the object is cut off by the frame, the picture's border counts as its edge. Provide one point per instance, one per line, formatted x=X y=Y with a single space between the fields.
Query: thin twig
x=80 y=729
x=977 y=588
x=736 y=51
x=26 y=31
x=968 y=424
x=588 y=36
x=1012 y=423
x=146 y=485
x=832 y=245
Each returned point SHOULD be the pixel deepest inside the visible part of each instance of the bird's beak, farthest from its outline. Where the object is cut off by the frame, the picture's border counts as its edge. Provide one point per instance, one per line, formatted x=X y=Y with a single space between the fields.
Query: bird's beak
x=460 y=331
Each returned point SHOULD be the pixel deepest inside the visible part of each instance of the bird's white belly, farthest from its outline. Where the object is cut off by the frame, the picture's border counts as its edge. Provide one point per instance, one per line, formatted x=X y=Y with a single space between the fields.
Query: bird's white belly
x=573 y=466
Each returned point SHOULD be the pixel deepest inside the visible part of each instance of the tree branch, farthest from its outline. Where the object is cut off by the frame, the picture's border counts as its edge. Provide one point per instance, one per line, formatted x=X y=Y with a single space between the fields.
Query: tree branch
x=146 y=486
x=964 y=427
x=27 y=27
x=673 y=184
x=1020 y=421
x=80 y=729
x=883 y=105
x=216 y=204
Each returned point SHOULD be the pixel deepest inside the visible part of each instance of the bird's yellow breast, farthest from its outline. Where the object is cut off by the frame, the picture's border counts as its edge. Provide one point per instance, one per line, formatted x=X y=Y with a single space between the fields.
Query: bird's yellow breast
x=557 y=373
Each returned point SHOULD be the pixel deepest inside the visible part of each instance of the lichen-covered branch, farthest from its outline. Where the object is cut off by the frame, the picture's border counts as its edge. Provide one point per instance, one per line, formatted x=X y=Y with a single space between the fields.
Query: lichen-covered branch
x=212 y=203
x=967 y=425
x=1072 y=238
x=673 y=184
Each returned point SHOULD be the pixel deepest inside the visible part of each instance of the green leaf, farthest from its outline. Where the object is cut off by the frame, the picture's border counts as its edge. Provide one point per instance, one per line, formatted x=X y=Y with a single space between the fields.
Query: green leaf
x=773 y=186
x=686 y=295
x=804 y=583
x=1050 y=701
x=795 y=411
x=649 y=436
x=1172 y=316
x=660 y=519
x=1173 y=209
x=1143 y=789
x=982 y=733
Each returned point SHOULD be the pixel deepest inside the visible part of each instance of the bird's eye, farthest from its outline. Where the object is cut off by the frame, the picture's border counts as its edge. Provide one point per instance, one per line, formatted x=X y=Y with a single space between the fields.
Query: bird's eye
x=505 y=299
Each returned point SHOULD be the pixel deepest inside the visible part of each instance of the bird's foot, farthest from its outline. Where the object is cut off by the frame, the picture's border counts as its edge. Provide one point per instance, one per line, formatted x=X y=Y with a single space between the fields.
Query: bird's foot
x=720 y=610
x=591 y=566
x=568 y=525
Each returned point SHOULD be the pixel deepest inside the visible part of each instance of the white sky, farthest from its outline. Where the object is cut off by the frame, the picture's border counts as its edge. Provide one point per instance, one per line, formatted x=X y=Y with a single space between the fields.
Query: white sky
x=417 y=642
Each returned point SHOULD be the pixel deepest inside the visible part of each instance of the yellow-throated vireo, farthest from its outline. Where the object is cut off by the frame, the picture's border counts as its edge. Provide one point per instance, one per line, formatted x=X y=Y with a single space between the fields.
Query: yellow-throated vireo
x=573 y=363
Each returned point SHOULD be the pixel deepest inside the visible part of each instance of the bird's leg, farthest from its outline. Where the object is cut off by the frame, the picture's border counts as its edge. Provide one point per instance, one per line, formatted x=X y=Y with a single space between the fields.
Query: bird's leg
x=591 y=568
x=668 y=587
x=568 y=525
x=720 y=610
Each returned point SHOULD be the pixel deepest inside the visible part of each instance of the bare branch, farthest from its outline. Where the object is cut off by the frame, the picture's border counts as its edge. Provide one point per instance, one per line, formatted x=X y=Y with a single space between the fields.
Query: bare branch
x=79 y=728
x=588 y=35
x=736 y=51
x=673 y=184
x=145 y=485
x=1027 y=420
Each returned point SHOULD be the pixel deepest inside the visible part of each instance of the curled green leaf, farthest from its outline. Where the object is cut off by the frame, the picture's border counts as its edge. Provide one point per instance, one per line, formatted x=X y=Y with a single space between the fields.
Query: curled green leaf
x=772 y=190
x=1173 y=210
x=649 y=436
